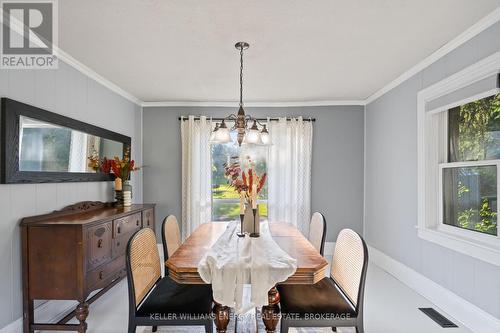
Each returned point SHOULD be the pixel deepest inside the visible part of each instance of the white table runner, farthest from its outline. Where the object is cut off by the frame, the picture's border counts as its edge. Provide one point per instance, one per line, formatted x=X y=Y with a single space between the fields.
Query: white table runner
x=235 y=261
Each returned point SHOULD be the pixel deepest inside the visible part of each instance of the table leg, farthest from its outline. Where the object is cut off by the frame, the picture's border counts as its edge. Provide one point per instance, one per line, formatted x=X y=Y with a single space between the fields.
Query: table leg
x=221 y=317
x=81 y=313
x=271 y=312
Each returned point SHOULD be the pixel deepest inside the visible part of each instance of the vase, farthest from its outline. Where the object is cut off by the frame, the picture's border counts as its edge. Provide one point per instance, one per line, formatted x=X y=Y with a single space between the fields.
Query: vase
x=251 y=222
x=127 y=193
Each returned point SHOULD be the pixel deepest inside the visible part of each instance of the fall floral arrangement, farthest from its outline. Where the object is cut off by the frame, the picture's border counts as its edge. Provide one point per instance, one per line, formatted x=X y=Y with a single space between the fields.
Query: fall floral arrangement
x=247 y=184
x=121 y=167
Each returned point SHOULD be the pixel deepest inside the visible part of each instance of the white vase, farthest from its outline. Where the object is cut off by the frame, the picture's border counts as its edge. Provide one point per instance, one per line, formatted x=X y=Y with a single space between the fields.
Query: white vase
x=251 y=223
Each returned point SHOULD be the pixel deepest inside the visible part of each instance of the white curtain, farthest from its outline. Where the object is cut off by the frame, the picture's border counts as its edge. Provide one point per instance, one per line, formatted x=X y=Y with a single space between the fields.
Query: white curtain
x=78 y=152
x=289 y=168
x=196 y=174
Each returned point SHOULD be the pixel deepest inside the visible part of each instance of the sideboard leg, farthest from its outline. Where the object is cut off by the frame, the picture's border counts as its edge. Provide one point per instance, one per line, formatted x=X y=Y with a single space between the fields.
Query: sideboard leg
x=271 y=312
x=28 y=313
x=221 y=317
x=81 y=313
x=28 y=316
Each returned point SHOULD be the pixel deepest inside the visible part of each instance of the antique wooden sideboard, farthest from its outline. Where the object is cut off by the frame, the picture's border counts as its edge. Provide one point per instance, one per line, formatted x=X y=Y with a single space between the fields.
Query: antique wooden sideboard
x=68 y=254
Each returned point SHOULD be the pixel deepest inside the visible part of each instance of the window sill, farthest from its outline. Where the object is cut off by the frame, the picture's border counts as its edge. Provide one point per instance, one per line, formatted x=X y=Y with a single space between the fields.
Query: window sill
x=483 y=251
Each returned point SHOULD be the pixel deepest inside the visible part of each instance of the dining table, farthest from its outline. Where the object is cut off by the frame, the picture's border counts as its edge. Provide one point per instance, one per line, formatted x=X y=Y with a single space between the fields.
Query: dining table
x=311 y=266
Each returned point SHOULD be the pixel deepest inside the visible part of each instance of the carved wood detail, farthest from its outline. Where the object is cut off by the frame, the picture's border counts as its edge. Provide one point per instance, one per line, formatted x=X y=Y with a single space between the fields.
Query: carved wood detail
x=85 y=206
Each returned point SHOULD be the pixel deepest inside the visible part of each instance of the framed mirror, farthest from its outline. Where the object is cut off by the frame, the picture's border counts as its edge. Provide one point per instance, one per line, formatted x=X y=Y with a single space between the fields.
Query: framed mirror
x=39 y=146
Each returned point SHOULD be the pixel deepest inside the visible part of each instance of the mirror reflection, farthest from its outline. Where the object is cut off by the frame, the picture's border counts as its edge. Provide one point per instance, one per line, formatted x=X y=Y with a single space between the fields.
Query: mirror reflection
x=48 y=147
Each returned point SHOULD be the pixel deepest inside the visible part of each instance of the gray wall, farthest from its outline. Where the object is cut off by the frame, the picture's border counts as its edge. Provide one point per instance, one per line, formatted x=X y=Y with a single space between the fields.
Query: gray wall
x=68 y=92
x=391 y=183
x=337 y=166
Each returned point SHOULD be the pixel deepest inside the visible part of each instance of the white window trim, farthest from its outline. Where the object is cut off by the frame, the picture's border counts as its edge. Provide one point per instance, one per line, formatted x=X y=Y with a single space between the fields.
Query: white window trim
x=490 y=240
x=430 y=226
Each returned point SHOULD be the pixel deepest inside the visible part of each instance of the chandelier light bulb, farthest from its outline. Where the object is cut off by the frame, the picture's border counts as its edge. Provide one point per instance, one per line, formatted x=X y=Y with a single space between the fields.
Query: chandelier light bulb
x=265 y=137
x=213 y=134
x=253 y=135
x=222 y=135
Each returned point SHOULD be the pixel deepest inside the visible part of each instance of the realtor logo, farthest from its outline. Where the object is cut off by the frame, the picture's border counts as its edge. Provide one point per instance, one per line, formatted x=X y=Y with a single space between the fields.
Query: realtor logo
x=29 y=33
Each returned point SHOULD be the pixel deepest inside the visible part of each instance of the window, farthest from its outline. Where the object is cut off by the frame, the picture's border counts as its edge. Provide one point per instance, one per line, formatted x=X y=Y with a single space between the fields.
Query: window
x=469 y=178
x=459 y=161
x=225 y=200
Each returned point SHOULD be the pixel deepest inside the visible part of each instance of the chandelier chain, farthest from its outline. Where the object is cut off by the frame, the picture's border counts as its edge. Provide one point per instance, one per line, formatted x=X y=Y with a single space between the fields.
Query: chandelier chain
x=241 y=75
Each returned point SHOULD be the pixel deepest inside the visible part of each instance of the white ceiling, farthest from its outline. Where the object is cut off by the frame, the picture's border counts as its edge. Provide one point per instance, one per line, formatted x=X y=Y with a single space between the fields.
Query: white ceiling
x=300 y=50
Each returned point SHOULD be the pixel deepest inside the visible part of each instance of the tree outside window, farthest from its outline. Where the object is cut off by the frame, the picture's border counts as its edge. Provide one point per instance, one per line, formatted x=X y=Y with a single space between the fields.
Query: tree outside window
x=225 y=199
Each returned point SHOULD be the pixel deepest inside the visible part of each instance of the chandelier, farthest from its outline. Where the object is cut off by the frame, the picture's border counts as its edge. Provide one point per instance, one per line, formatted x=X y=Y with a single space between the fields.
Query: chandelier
x=245 y=135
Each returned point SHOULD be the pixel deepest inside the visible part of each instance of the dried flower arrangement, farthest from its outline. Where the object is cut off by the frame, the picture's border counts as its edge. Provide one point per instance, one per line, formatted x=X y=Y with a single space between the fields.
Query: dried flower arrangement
x=249 y=184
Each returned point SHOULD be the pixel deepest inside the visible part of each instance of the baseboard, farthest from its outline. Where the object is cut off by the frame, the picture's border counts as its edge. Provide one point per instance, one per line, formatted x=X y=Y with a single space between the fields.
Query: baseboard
x=48 y=312
x=14 y=327
x=462 y=310
x=329 y=248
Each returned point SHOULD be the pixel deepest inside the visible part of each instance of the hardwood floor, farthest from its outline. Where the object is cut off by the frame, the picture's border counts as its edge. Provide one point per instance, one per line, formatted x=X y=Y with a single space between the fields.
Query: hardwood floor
x=386 y=312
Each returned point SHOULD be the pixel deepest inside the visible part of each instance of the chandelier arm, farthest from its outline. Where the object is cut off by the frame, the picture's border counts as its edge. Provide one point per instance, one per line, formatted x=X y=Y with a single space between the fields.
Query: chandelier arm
x=255 y=119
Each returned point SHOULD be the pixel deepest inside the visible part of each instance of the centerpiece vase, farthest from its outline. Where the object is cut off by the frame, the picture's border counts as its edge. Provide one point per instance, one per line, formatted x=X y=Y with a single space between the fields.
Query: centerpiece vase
x=127 y=193
x=251 y=221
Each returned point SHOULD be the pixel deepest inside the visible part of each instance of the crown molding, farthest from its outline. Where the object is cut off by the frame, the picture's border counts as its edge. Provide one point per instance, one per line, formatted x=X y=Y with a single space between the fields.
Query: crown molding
x=65 y=57
x=468 y=34
x=465 y=36
x=61 y=55
x=252 y=104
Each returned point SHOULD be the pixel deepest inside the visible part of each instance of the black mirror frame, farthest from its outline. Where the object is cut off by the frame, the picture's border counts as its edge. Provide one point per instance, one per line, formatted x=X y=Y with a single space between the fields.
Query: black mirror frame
x=11 y=111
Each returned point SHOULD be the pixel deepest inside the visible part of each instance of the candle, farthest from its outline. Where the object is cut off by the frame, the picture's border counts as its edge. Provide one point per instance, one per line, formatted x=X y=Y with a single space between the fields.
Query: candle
x=254 y=196
x=118 y=184
x=242 y=203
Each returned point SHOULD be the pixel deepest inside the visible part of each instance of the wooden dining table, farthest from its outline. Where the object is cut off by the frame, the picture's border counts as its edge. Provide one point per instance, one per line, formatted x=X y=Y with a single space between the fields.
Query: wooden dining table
x=311 y=266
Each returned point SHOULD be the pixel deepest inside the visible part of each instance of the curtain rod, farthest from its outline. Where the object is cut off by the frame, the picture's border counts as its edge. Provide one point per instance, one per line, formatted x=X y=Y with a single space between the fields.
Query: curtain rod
x=258 y=119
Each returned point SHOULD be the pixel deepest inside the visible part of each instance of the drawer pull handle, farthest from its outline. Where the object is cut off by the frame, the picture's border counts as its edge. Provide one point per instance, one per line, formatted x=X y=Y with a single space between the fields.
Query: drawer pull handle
x=118 y=244
x=148 y=222
x=118 y=230
x=137 y=223
x=99 y=243
x=101 y=275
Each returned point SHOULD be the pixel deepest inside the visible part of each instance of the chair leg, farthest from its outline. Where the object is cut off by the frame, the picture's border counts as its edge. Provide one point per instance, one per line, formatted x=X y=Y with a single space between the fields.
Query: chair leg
x=131 y=326
x=209 y=327
x=155 y=328
x=359 y=328
x=284 y=327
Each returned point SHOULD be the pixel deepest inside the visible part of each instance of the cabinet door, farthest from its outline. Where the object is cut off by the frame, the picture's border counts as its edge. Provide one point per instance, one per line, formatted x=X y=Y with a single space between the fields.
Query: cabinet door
x=99 y=244
x=148 y=218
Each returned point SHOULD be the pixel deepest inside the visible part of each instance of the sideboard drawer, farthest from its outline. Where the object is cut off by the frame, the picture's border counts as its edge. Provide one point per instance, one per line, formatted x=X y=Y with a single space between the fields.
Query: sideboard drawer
x=101 y=276
x=120 y=244
x=99 y=245
x=148 y=218
x=127 y=224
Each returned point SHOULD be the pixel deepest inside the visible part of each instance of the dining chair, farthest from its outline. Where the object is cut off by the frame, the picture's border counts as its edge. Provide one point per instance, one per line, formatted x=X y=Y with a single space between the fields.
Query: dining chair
x=160 y=301
x=170 y=235
x=317 y=232
x=335 y=301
